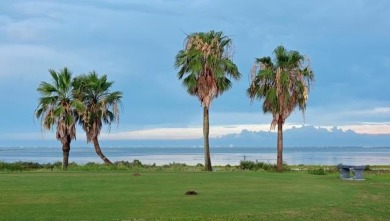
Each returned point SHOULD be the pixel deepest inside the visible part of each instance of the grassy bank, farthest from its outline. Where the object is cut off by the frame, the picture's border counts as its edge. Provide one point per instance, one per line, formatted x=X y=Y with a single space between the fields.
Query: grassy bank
x=160 y=195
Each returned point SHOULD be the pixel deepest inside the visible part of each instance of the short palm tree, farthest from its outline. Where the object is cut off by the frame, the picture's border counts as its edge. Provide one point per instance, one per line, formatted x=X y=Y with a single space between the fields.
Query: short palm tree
x=102 y=106
x=57 y=107
x=282 y=85
x=205 y=65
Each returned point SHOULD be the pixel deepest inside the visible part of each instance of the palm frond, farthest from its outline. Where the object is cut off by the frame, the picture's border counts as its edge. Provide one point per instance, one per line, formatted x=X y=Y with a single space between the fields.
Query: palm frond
x=282 y=85
x=204 y=65
x=101 y=105
x=54 y=106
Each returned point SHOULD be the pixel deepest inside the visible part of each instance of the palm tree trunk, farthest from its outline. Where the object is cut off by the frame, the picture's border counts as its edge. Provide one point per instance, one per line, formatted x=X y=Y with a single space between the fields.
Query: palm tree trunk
x=279 y=163
x=99 y=151
x=207 y=163
x=65 y=155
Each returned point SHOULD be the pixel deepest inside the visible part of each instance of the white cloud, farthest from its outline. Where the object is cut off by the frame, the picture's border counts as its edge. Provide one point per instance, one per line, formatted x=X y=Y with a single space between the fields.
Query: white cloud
x=348 y=113
x=31 y=61
x=183 y=133
x=27 y=30
x=186 y=133
x=381 y=110
x=371 y=111
x=372 y=128
x=368 y=128
x=218 y=131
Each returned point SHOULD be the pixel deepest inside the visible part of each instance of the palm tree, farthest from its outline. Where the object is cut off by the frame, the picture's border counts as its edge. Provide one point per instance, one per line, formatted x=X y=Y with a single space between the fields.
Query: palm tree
x=102 y=106
x=282 y=85
x=205 y=65
x=57 y=107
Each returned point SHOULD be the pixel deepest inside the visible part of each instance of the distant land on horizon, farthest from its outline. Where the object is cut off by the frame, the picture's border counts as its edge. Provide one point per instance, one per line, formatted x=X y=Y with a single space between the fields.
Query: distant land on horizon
x=306 y=136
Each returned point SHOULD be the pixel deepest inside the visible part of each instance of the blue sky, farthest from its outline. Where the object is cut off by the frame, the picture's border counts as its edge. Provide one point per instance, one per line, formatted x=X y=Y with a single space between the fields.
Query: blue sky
x=135 y=43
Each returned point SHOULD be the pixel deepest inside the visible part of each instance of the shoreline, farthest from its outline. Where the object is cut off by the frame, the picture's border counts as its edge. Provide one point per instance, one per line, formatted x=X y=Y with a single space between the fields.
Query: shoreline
x=183 y=164
x=193 y=156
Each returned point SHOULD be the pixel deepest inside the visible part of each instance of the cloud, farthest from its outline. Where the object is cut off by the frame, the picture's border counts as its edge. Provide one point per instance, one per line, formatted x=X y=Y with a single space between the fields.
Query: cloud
x=350 y=112
x=135 y=42
x=193 y=135
x=27 y=30
x=186 y=132
x=27 y=136
x=370 y=112
x=381 y=110
x=32 y=61
x=368 y=128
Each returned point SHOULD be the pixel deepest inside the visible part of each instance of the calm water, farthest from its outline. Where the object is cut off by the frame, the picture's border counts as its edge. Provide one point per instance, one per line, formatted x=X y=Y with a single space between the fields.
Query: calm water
x=192 y=156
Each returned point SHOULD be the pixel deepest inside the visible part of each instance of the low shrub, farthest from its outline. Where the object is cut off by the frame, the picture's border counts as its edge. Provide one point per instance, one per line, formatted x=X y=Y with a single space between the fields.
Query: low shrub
x=199 y=165
x=247 y=165
x=250 y=165
x=135 y=163
x=317 y=171
x=174 y=165
x=181 y=167
x=20 y=166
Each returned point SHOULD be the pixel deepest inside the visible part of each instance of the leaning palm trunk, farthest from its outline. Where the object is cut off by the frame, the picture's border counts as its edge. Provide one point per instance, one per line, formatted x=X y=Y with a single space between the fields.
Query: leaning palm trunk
x=65 y=155
x=206 y=127
x=279 y=163
x=99 y=151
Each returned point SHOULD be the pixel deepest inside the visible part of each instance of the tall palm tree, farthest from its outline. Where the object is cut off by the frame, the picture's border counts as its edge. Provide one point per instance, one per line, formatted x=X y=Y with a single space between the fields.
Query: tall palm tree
x=57 y=107
x=205 y=65
x=102 y=106
x=282 y=85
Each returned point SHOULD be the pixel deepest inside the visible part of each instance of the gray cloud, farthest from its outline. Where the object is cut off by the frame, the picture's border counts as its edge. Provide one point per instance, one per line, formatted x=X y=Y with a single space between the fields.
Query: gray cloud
x=135 y=43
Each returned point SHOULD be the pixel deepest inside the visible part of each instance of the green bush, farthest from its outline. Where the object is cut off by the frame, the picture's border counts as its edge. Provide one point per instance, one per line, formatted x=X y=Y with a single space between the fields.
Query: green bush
x=199 y=165
x=179 y=167
x=135 y=163
x=23 y=166
x=247 y=165
x=20 y=166
x=250 y=165
x=317 y=171
x=286 y=167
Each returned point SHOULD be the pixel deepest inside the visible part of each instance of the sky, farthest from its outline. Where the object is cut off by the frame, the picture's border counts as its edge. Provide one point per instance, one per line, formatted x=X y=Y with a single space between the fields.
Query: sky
x=135 y=44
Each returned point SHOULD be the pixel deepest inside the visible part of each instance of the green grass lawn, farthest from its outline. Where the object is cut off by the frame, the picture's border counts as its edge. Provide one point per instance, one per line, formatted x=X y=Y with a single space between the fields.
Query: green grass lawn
x=160 y=195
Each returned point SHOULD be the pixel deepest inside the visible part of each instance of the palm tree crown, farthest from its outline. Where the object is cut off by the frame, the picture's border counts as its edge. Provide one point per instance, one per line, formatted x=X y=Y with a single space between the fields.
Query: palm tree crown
x=282 y=84
x=57 y=106
x=102 y=106
x=205 y=65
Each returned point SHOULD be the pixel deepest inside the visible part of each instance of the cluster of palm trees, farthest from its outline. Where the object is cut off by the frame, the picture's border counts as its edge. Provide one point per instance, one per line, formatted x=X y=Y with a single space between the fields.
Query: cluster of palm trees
x=85 y=99
x=205 y=68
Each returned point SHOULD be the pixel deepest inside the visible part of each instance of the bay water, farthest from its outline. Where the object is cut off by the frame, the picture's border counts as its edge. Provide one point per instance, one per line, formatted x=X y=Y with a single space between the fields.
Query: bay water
x=195 y=155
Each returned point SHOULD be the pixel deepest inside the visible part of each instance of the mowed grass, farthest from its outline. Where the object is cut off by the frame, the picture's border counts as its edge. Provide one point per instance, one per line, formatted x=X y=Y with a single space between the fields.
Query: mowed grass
x=159 y=195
